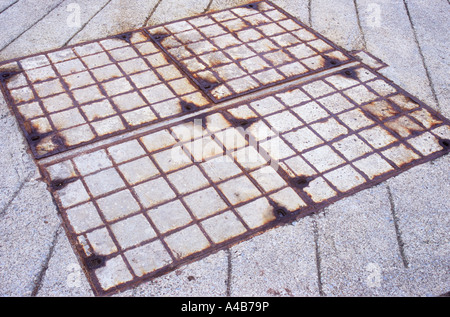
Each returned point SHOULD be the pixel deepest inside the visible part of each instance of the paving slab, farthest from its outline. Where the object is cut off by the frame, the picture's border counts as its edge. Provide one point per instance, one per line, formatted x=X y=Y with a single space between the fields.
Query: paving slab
x=66 y=20
x=117 y=16
x=300 y=9
x=433 y=48
x=63 y=276
x=13 y=148
x=6 y=4
x=281 y=262
x=387 y=22
x=421 y=208
x=29 y=231
x=339 y=21
x=21 y=222
x=170 y=10
x=357 y=245
x=22 y=15
x=208 y=277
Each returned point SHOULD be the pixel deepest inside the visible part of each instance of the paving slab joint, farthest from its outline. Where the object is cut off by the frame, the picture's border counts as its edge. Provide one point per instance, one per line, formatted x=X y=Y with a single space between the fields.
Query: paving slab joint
x=401 y=244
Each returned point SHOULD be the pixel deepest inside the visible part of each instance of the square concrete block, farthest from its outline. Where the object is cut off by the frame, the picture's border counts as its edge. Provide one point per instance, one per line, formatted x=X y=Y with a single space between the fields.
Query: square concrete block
x=92 y=162
x=239 y=190
x=336 y=103
x=378 y=137
x=205 y=202
x=126 y=151
x=187 y=241
x=104 y=182
x=169 y=216
x=158 y=140
x=84 y=217
x=118 y=205
x=172 y=159
x=113 y=273
x=188 y=180
x=323 y=158
x=138 y=171
x=256 y=213
x=72 y=194
x=352 y=147
x=132 y=231
x=148 y=258
x=330 y=129
x=101 y=242
x=344 y=178
x=98 y=110
x=373 y=166
x=66 y=119
x=310 y=112
x=154 y=192
x=223 y=227
x=400 y=155
x=319 y=190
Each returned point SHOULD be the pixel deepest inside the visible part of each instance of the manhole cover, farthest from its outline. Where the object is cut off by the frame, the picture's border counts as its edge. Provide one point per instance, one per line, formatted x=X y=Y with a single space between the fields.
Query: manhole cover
x=139 y=205
x=240 y=50
x=77 y=95
x=142 y=206
x=81 y=94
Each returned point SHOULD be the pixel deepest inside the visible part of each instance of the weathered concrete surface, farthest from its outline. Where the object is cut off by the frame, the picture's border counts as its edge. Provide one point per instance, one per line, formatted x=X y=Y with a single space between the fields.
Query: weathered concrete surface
x=23 y=15
x=356 y=242
x=390 y=36
x=421 y=207
x=43 y=36
x=390 y=240
x=167 y=11
x=116 y=16
x=433 y=49
x=281 y=262
x=338 y=20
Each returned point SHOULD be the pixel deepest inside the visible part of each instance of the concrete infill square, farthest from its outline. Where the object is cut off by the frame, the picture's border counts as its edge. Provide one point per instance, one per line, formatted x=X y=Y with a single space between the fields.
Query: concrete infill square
x=182 y=149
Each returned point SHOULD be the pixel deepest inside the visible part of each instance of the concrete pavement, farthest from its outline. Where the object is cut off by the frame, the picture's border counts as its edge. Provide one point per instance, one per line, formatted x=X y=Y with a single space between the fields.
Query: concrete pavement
x=389 y=240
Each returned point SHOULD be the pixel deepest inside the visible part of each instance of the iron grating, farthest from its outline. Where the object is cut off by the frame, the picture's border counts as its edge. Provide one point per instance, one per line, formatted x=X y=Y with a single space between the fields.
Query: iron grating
x=222 y=157
x=147 y=204
x=78 y=95
x=240 y=50
x=81 y=94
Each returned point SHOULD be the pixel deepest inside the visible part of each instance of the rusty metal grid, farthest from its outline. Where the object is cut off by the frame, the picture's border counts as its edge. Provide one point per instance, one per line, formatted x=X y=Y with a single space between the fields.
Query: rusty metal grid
x=240 y=50
x=76 y=95
x=140 y=207
x=369 y=60
x=80 y=94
